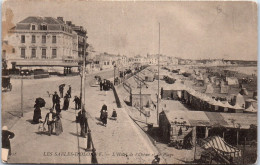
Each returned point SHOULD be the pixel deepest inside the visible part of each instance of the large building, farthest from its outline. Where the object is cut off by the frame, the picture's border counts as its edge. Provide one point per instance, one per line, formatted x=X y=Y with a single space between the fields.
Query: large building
x=43 y=42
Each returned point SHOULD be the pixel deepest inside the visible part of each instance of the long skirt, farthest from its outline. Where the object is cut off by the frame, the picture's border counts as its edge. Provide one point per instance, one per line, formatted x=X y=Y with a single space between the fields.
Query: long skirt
x=66 y=105
x=104 y=120
x=58 y=127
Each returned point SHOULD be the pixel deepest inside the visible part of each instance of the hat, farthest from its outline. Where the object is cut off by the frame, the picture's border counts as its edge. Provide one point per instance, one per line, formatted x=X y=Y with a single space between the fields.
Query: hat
x=55 y=92
x=5 y=128
x=156 y=156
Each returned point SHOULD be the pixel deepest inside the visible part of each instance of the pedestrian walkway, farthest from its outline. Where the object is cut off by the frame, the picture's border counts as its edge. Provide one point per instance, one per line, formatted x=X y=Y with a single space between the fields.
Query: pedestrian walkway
x=121 y=141
x=30 y=146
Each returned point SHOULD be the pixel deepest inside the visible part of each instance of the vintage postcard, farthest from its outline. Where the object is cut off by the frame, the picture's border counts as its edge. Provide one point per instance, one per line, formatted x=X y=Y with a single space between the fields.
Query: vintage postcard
x=129 y=82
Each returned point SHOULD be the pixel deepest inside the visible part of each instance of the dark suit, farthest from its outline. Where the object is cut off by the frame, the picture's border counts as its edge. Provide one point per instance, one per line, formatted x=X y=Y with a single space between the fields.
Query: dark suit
x=55 y=99
x=83 y=121
x=6 y=135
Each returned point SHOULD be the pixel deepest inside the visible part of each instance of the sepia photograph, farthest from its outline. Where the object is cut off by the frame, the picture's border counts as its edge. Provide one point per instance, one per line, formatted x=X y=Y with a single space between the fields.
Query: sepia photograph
x=129 y=82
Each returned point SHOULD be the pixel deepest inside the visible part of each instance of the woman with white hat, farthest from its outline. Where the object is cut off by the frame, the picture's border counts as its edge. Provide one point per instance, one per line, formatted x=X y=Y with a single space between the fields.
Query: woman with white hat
x=6 y=146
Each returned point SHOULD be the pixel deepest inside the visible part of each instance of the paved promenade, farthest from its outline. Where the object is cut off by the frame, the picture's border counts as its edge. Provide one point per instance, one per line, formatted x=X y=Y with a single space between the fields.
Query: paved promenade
x=121 y=141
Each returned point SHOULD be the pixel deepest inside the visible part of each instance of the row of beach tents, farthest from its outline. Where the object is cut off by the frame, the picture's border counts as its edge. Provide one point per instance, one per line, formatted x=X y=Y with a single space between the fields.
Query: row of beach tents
x=201 y=101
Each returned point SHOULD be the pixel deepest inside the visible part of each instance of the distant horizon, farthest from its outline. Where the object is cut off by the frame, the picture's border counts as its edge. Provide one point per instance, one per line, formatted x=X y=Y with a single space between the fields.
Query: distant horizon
x=193 y=30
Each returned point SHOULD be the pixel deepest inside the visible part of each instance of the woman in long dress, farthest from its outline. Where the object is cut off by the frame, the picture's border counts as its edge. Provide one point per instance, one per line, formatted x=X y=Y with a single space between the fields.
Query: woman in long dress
x=37 y=114
x=58 y=124
x=66 y=102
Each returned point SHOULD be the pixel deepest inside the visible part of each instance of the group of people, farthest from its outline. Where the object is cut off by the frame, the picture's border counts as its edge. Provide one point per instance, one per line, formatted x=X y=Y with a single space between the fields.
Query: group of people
x=104 y=115
x=53 y=119
x=105 y=85
x=56 y=98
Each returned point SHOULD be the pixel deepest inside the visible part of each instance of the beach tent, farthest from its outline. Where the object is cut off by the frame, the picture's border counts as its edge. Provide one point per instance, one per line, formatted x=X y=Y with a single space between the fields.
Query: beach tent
x=227 y=106
x=239 y=100
x=236 y=109
x=224 y=89
x=232 y=81
x=220 y=146
x=250 y=109
x=250 y=102
x=209 y=89
x=243 y=91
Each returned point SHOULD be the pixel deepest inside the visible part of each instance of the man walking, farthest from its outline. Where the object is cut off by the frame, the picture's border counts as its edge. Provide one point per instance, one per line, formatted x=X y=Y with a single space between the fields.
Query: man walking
x=77 y=102
x=61 y=88
x=55 y=99
x=83 y=121
x=69 y=91
x=50 y=120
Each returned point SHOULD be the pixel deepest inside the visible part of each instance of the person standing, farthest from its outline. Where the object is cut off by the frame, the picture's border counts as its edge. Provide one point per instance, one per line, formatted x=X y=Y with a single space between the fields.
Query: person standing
x=156 y=159
x=76 y=100
x=100 y=85
x=6 y=145
x=69 y=91
x=57 y=107
x=61 y=89
x=55 y=99
x=66 y=102
x=58 y=124
x=104 y=117
x=50 y=120
x=104 y=107
x=37 y=114
x=114 y=114
x=83 y=121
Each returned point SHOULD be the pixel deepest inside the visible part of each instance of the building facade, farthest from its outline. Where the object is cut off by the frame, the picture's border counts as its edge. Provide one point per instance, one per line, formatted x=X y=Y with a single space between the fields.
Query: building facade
x=42 y=41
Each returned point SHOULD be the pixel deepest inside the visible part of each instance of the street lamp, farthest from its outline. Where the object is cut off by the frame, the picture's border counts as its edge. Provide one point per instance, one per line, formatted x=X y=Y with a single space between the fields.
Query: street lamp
x=22 y=73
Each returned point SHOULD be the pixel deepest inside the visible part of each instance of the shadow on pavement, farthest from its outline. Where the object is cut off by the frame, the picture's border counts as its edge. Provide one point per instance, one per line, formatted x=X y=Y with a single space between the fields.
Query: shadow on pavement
x=97 y=118
x=31 y=121
x=72 y=133
x=42 y=133
x=99 y=123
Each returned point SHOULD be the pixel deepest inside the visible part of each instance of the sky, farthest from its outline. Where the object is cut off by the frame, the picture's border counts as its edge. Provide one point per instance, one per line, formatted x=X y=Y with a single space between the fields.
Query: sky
x=190 y=30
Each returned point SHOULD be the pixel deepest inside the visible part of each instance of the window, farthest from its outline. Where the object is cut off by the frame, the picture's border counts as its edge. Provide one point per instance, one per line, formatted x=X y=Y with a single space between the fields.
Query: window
x=33 y=39
x=43 y=27
x=104 y=63
x=53 y=39
x=43 y=39
x=33 y=27
x=22 y=38
x=33 y=53
x=22 y=52
x=13 y=50
x=54 y=53
x=43 y=53
x=107 y=63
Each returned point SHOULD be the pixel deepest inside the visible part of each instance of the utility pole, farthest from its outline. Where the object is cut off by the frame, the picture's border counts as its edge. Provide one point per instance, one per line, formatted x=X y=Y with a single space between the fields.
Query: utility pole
x=83 y=72
x=140 y=92
x=158 y=79
x=21 y=74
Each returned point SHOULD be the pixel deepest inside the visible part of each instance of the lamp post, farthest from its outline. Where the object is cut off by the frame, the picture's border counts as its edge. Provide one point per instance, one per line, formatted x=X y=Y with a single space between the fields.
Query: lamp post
x=83 y=73
x=21 y=74
x=158 y=79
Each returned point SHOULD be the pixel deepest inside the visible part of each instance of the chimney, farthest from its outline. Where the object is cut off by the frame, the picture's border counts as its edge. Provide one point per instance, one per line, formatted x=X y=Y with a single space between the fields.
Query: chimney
x=60 y=18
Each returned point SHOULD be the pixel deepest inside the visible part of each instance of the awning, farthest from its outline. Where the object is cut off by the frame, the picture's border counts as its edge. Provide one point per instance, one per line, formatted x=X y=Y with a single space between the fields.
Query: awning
x=45 y=63
x=220 y=146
